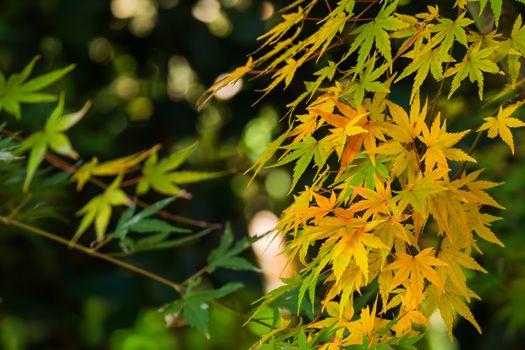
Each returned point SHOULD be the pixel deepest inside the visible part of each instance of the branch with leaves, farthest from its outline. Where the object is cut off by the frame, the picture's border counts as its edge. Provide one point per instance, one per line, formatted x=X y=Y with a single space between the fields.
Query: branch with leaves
x=392 y=210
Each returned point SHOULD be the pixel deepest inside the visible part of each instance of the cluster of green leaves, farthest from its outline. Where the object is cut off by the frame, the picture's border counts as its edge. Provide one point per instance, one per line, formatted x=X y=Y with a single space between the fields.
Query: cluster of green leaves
x=137 y=230
x=194 y=304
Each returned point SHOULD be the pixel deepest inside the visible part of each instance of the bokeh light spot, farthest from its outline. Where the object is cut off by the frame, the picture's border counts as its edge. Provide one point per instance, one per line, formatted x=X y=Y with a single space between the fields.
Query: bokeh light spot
x=278 y=183
x=140 y=108
x=101 y=50
x=228 y=91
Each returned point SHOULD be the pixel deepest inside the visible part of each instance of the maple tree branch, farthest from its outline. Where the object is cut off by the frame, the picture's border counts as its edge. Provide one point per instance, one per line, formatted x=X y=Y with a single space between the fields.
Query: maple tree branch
x=63 y=165
x=53 y=237
x=328 y=6
x=363 y=12
x=178 y=287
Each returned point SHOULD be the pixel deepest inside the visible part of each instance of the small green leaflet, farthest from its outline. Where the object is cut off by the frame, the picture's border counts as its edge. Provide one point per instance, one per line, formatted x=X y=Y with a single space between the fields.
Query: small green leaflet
x=304 y=152
x=52 y=137
x=159 y=174
x=225 y=255
x=271 y=148
x=17 y=90
x=194 y=305
x=375 y=32
x=99 y=209
x=475 y=62
x=449 y=31
x=367 y=81
x=159 y=230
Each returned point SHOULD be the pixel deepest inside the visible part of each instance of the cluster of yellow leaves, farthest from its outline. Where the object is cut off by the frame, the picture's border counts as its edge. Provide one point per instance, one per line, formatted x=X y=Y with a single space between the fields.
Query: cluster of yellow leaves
x=387 y=204
x=365 y=231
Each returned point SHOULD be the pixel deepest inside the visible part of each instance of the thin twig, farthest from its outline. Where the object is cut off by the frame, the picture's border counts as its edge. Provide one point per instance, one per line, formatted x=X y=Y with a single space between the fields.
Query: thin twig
x=178 y=287
x=51 y=236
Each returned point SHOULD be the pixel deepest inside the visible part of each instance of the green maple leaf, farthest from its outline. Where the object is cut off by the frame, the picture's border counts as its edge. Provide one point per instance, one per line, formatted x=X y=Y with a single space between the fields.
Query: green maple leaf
x=99 y=210
x=303 y=152
x=518 y=36
x=475 y=62
x=427 y=60
x=194 y=305
x=226 y=254
x=367 y=81
x=448 y=32
x=158 y=232
x=160 y=174
x=376 y=33
x=17 y=89
x=52 y=137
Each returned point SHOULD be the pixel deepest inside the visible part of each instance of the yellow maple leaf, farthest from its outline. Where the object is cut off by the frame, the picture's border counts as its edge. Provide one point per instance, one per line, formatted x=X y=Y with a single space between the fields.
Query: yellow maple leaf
x=457 y=261
x=111 y=167
x=439 y=144
x=501 y=124
x=374 y=201
x=367 y=325
x=412 y=271
x=403 y=131
x=449 y=304
x=353 y=244
x=231 y=78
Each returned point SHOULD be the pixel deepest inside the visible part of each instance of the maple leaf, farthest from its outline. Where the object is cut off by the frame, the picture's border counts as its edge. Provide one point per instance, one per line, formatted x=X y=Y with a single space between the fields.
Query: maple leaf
x=517 y=38
x=111 y=167
x=480 y=223
x=367 y=81
x=449 y=31
x=375 y=32
x=366 y=326
x=303 y=153
x=410 y=315
x=52 y=137
x=449 y=304
x=324 y=206
x=412 y=271
x=17 y=89
x=404 y=130
x=374 y=201
x=160 y=174
x=424 y=61
x=194 y=304
x=439 y=145
x=418 y=193
x=501 y=124
x=456 y=260
x=475 y=62
x=99 y=209
x=352 y=244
